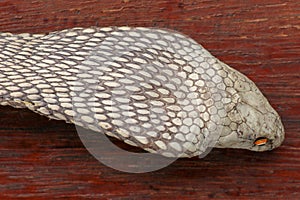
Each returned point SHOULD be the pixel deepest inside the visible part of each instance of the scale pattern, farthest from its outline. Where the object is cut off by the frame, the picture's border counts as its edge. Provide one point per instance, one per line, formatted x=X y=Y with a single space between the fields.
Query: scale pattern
x=151 y=88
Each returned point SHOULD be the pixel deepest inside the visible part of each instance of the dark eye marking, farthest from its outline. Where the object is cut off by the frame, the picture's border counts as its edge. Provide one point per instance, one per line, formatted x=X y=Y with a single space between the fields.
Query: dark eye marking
x=261 y=141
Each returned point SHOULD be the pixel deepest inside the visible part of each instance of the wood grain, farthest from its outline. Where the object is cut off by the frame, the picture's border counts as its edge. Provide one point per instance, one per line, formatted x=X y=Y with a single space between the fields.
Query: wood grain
x=43 y=159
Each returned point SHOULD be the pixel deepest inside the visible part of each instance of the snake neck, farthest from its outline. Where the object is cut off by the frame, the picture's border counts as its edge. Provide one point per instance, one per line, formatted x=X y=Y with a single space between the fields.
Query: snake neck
x=15 y=63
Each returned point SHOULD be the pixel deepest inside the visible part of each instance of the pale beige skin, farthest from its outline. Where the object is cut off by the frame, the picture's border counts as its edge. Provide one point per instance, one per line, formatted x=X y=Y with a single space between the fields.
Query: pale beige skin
x=257 y=118
x=155 y=89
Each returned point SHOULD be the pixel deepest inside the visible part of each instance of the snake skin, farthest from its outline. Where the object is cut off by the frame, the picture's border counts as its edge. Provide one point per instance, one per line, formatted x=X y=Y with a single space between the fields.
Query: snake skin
x=155 y=89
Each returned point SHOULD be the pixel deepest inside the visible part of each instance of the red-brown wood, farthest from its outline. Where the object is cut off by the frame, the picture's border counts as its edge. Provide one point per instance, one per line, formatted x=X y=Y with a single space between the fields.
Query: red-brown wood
x=44 y=159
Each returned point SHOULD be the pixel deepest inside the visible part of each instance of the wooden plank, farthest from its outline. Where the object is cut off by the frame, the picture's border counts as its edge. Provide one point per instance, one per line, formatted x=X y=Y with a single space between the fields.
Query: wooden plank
x=42 y=159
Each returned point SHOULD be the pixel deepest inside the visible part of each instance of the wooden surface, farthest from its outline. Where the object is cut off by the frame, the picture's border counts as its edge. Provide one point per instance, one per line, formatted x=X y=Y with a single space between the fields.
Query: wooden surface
x=42 y=159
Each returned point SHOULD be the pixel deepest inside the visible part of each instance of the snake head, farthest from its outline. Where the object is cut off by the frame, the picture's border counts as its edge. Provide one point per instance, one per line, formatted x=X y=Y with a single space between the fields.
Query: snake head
x=258 y=125
x=260 y=128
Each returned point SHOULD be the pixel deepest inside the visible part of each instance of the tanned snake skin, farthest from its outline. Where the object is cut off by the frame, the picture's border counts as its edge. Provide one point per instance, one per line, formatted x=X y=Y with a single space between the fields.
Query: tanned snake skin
x=152 y=88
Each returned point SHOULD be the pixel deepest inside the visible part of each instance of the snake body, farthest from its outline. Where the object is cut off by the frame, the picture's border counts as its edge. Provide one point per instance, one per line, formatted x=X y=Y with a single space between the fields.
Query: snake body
x=152 y=88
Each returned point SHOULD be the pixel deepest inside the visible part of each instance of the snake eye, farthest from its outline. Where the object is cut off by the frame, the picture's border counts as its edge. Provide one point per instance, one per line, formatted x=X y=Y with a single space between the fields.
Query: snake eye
x=261 y=141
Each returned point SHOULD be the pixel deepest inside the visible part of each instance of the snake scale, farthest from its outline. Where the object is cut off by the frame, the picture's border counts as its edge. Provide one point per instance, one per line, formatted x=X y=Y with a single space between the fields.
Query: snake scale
x=152 y=88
